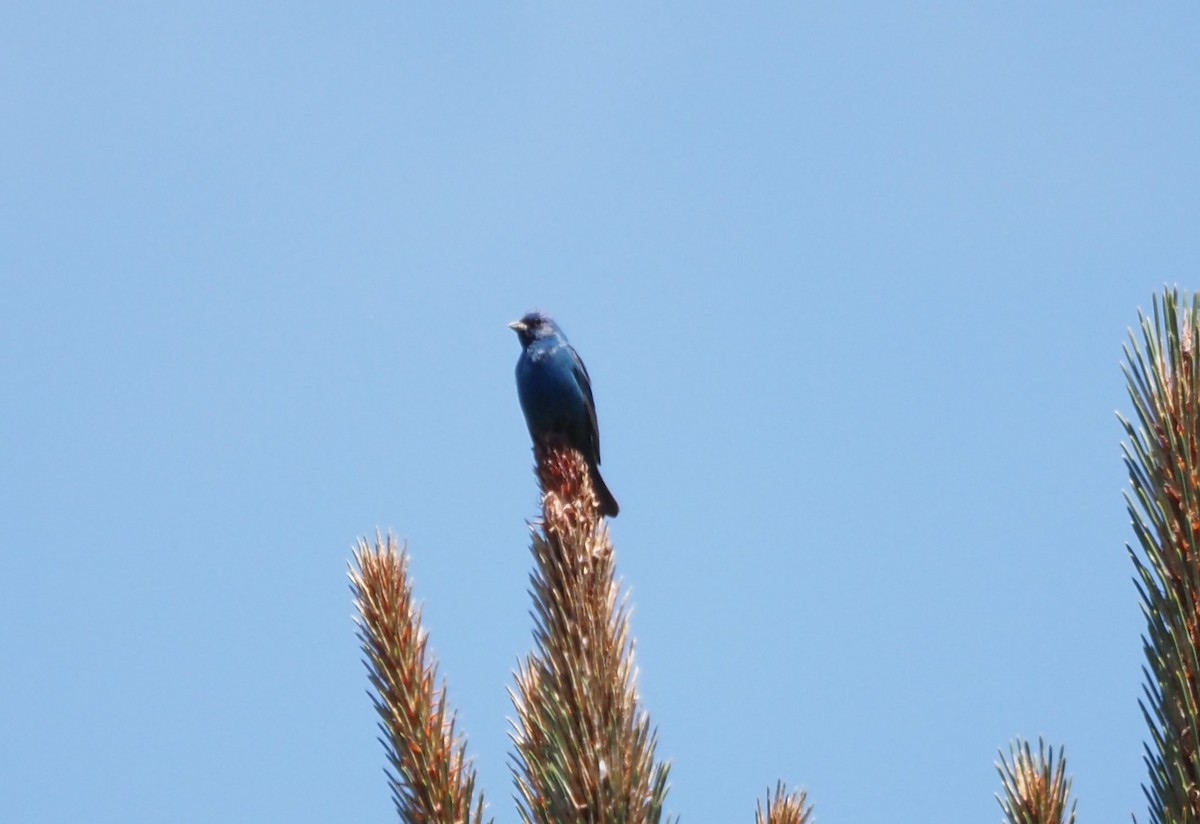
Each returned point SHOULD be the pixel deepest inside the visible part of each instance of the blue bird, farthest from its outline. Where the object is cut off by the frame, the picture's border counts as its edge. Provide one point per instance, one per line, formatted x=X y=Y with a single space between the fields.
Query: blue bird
x=556 y=396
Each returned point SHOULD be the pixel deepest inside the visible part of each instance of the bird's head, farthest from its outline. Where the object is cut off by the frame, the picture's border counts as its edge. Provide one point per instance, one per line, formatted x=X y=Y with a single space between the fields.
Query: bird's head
x=534 y=326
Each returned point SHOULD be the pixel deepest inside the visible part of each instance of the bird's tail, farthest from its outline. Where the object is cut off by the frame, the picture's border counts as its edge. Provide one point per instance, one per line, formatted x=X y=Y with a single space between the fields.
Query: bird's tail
x=608 y=504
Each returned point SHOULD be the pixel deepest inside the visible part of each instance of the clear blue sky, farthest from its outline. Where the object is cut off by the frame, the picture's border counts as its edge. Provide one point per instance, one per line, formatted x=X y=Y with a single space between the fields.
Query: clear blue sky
x=851 y=281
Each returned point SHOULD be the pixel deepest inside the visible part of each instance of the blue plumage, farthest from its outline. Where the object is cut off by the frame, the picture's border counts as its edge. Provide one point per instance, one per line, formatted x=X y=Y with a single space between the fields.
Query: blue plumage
x=556 y=396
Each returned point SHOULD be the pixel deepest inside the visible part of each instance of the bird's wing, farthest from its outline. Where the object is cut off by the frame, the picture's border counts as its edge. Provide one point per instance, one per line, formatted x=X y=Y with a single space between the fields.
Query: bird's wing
x=585 y=383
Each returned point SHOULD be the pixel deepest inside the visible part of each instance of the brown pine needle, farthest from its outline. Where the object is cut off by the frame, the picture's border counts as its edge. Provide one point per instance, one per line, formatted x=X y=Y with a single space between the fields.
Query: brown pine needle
x=1036 y=790
x=431 y=780
x=584 y=746
x=785 y=808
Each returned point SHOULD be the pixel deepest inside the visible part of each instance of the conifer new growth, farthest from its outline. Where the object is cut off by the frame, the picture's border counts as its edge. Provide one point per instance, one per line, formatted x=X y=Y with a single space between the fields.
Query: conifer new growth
x=584 y=746
x=1162 y=456
x=1036 y=790
x=432 y=782
x=785 y=808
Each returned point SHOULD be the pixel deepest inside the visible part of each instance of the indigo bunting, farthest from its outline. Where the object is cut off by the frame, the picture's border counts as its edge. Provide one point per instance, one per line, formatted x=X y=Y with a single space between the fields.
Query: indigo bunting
x=556 y=396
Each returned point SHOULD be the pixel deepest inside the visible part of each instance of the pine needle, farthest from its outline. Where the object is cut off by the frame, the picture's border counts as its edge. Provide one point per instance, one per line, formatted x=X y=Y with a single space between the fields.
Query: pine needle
x=430 y=778
x=584 y=746
x=1036 y=790
x=1162 y=456
x=785 y=808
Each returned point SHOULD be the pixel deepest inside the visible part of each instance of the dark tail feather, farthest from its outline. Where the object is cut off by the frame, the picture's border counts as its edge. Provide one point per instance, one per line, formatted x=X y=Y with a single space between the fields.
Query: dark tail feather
x=608 y=504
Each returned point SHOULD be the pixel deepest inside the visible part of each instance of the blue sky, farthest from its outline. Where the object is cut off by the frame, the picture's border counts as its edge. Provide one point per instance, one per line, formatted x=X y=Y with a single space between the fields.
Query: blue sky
x=851 y=281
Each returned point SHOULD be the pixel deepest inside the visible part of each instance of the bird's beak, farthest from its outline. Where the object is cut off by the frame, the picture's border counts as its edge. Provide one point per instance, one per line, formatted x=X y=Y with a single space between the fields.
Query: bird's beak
x=517 y=326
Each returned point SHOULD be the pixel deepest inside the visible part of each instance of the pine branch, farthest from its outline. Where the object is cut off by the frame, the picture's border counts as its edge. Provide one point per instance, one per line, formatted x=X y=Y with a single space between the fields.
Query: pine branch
x=1036 y=790
x=785 y=808
x=431 y=780
x=584 y=746
x=1162 y=456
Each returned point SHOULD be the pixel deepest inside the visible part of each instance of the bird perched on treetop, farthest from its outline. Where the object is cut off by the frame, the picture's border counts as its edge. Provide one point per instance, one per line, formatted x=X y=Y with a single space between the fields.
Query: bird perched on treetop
x=556 y=396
